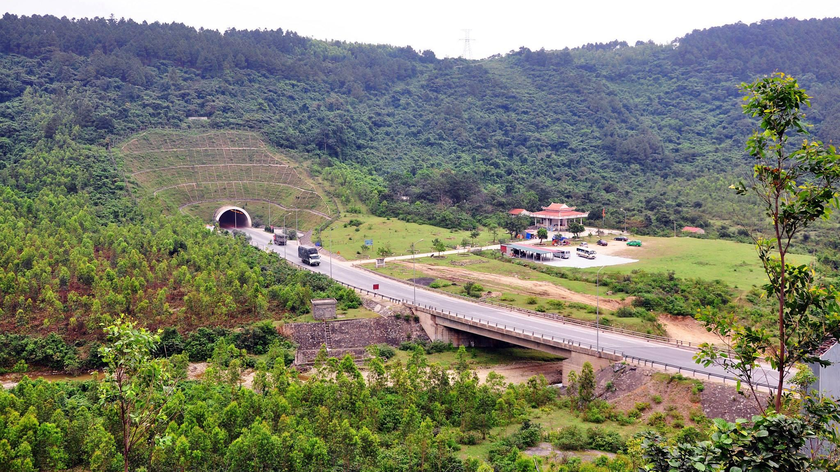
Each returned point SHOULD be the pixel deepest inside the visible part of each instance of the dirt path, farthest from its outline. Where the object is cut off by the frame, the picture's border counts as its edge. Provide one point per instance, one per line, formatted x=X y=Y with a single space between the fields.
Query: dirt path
x=528 y=287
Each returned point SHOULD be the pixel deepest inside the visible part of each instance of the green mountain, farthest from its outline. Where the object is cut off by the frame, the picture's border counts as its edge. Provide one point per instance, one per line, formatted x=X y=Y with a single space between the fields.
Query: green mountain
x=649 y=128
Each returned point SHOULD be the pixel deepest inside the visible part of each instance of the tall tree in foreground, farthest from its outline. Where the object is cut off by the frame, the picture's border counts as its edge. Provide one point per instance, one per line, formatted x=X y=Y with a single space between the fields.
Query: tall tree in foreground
x=137 y=385
x=796 y=183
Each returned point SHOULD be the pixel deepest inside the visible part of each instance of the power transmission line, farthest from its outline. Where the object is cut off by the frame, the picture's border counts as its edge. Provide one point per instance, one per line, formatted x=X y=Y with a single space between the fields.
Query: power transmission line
x=467 y=54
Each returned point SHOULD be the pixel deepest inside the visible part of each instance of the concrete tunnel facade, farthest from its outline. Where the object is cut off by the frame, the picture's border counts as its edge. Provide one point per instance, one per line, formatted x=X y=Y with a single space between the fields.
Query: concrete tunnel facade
x=232 y=216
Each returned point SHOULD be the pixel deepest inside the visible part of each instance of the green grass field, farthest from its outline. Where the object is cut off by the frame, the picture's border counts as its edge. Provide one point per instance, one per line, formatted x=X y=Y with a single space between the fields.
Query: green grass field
x=479 y=357
x=388 y=232
x=352 y=314
x=736 y=264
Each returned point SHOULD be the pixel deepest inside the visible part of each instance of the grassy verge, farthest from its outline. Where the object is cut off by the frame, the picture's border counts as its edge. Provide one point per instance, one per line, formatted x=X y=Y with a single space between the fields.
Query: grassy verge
x=347 y=235
x=480 y=357
x=352 y=314
x=736 y=264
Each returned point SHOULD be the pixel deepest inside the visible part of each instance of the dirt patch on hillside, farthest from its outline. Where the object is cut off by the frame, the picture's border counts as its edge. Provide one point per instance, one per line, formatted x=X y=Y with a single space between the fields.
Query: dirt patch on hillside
x=195 y=370
x=686 y=328
x=527 y=287
x=630 y=386
x=424 y=281
x=520 y=372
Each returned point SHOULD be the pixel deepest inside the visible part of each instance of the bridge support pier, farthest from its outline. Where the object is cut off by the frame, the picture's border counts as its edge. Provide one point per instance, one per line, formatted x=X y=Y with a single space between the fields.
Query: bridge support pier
x=576 y=360
x=461 y=331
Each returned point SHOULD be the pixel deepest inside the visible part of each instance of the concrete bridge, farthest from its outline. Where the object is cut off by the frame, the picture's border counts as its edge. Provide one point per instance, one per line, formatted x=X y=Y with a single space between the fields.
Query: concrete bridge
x=463 y=330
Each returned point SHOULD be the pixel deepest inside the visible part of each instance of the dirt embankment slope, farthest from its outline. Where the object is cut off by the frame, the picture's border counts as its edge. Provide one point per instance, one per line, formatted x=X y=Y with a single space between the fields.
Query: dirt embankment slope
x=527 y=287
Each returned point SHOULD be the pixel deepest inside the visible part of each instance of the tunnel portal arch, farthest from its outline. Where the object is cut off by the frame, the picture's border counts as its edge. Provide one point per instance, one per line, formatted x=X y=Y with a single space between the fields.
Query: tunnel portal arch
x=232 y=216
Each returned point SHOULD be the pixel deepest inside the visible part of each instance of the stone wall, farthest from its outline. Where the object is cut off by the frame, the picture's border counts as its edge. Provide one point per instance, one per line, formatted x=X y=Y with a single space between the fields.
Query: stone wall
x=351 y=336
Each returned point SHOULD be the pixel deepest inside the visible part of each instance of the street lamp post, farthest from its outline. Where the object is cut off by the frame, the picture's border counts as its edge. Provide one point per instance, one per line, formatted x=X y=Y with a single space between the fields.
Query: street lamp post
x=625 y=220
x=414 y=269
x=597 y=309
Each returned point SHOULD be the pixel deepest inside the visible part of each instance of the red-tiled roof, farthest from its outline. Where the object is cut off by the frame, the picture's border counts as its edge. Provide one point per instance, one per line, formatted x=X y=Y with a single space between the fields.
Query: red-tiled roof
x=693 y=229
x=559 y=210
x=517 y=211
x=558 y=207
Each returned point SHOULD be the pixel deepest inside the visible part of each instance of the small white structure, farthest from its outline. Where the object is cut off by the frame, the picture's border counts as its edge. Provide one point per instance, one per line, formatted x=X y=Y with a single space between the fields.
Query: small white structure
x=557 y=216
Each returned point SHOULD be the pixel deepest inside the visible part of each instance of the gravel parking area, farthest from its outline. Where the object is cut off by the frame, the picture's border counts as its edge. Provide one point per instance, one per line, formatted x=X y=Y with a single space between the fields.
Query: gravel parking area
x=581 y=263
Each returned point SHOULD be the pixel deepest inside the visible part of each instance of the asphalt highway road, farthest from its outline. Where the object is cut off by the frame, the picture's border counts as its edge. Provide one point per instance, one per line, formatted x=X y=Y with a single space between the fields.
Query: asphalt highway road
x=608 y=341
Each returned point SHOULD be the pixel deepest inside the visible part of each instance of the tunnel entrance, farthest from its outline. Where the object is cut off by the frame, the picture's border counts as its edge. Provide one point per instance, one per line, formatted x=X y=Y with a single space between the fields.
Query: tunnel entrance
x=233 y=217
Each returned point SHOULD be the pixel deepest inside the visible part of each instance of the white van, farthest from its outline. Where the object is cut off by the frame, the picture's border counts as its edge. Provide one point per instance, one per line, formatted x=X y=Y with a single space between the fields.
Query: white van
x=586 y=253
x=563 y=253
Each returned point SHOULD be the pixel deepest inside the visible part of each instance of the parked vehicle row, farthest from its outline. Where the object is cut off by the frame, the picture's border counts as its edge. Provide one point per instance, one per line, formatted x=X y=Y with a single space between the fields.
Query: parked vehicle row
x=586 y=253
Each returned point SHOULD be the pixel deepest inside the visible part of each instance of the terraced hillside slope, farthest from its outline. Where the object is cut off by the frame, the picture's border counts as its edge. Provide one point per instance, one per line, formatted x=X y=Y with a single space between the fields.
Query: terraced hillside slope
x=199 y=173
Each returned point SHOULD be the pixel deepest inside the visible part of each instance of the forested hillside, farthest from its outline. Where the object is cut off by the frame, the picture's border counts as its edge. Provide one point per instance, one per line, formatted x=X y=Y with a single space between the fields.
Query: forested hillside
x=89 y=260
x=654 y=129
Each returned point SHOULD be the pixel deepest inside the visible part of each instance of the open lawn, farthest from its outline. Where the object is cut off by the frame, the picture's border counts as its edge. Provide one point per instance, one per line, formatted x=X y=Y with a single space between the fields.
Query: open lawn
x=347 y=236
x=736 y=264
x=352 y=314
x=480 y=357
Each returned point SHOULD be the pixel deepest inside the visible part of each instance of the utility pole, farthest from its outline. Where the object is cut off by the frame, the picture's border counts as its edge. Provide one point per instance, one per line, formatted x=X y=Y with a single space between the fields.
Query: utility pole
x=625 y=220
x=286 y=234
x=597 y=309
x=414 y=269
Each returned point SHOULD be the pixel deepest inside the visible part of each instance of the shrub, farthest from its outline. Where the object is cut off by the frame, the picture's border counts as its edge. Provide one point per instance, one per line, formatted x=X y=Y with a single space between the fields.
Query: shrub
x=625 y=312
x=657 y=420
x=593 y=415
x=382 y=351
x=642 y=406
x=605 y=440
x=689 y=435
x=529 y=435
x=657 y=399
x=570 y=438
x=697 y=416
x=624 y=420
x=439 y=346
x=470 y=438
x=531 y=300
x=409 y=346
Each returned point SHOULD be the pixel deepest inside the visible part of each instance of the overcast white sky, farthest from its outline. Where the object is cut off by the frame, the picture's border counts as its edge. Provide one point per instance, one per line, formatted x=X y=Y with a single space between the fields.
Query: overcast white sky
x=496 y=26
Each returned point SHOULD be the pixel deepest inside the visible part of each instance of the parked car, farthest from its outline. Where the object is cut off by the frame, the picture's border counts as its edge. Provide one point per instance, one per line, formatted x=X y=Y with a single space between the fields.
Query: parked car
x=620 y=238
x=601 y=242
x=584 y=244
x=634 y=242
